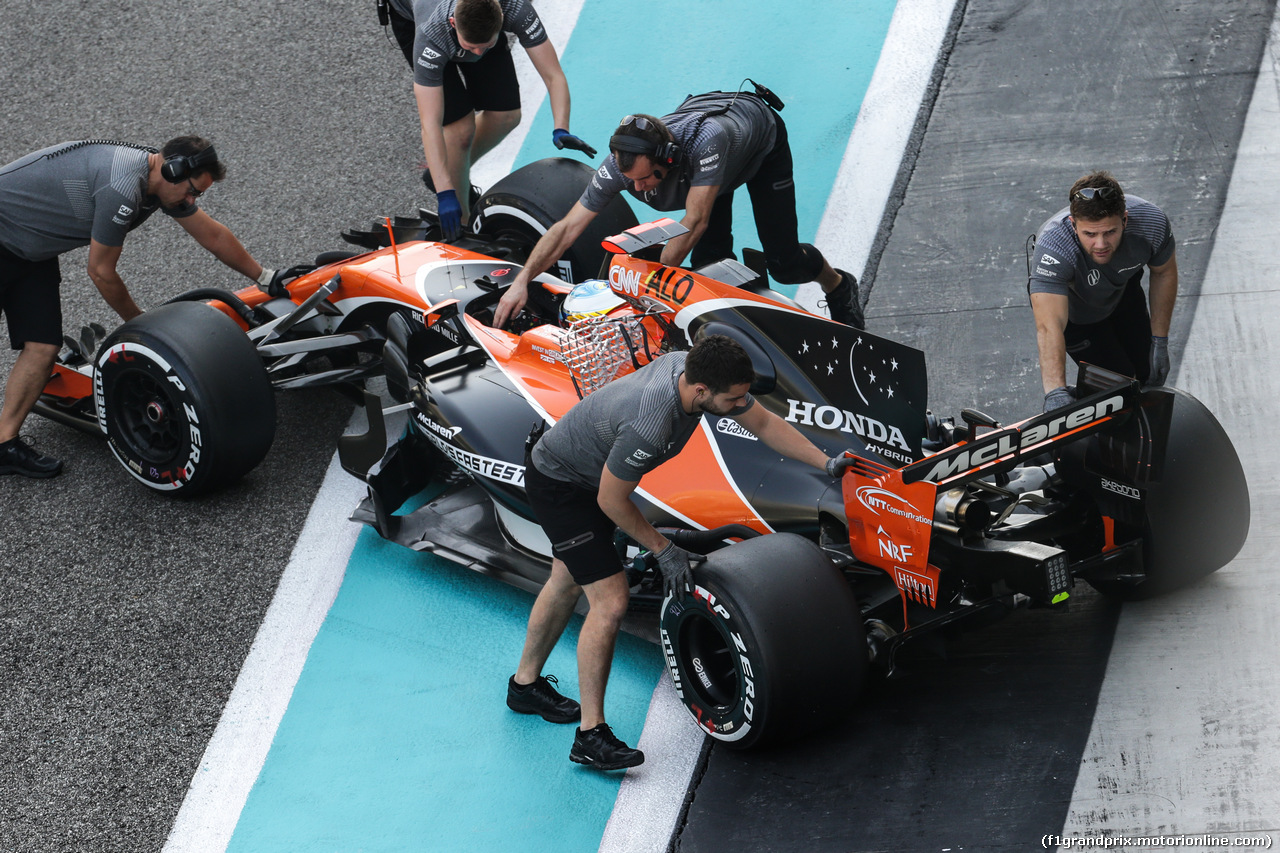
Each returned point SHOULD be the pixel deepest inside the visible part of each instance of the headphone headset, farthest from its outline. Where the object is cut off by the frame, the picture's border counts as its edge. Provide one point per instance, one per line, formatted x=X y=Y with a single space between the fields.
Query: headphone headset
x=670 y=154
x=179 y=167
x=664 y=153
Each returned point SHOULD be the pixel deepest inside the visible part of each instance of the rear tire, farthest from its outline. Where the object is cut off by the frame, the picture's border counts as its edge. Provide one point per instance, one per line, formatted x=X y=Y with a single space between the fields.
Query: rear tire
x=184 y=399
x=770 y=646
x=1197 y=514
x=523 y=205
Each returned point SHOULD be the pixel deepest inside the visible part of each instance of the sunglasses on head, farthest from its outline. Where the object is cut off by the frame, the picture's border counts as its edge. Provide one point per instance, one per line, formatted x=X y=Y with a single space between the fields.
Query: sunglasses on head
x=640 y=122
x=1089 y=193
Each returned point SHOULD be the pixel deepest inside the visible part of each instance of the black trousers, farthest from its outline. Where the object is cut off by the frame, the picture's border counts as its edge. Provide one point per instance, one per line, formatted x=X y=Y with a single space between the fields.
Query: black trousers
x=773 y=203
x=1121 y=342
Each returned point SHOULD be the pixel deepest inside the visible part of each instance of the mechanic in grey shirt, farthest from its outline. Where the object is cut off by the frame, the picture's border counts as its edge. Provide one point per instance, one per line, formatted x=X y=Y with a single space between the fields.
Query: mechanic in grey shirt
x=1086 y=286
x=580 y=477
x=465 y=85
x=695 y=158
x=89 y=193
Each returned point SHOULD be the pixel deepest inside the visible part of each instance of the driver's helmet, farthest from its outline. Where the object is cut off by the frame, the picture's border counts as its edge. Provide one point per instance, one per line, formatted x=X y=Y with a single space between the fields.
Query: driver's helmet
x=591 y=298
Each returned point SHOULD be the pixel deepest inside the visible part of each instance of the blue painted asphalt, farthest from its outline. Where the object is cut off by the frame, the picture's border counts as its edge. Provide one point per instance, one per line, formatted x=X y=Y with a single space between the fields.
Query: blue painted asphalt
x=397 y=737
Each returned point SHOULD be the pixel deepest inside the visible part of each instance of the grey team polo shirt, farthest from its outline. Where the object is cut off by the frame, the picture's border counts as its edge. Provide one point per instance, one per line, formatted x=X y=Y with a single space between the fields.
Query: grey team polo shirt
x=1061 y=266
x=724 y=150
x=59 y=198
x=633 y=425
x=434 y=42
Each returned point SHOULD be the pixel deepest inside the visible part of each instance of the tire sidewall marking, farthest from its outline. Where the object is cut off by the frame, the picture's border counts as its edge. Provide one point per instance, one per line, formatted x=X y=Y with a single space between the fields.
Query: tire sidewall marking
x=141 y=357
x=738 y=720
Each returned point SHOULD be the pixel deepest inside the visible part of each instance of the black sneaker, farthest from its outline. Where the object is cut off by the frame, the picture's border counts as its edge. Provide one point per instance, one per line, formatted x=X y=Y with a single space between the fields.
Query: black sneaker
x=18 y=457
x=542 y=699
x=844 y=304
x=601 y=749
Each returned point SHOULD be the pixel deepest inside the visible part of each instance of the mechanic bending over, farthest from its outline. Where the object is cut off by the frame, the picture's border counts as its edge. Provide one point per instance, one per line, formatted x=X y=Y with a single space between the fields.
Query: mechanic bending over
x=1086 y=287
x=89 y=193
x=465 y=84
x=580 y=477
x=694 y=158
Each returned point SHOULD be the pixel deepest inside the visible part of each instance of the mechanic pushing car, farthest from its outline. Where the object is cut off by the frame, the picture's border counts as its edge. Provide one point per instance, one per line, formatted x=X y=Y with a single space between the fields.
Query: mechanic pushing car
x=580 y=477
x=695 y=158
x=89 y=193
x=1086 y=287
x=465 y=85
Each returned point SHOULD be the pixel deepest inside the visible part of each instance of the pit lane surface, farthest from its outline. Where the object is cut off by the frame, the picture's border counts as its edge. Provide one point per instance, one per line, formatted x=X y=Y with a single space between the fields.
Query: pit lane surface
x=127 y=616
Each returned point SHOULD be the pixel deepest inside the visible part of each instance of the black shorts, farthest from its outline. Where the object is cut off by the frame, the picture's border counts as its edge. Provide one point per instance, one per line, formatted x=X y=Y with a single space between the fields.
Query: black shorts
x=30 y=299
x=581 y=533
x=489 y=83
x=1122 y=341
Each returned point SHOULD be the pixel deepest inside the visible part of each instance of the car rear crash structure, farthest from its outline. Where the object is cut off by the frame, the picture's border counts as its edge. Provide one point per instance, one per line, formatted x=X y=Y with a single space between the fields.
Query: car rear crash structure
x=810 y=583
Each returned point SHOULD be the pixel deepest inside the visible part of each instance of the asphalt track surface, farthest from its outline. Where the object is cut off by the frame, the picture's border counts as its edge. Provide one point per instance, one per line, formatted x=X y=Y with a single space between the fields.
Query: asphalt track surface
x=126 y=615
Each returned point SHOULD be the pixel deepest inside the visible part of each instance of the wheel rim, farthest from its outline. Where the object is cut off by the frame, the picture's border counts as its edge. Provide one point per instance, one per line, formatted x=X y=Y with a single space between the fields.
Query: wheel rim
x=144 y=417
x=710 y=661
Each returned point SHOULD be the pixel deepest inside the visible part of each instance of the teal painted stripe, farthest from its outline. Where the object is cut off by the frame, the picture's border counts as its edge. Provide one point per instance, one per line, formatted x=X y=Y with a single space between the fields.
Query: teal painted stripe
x=397 y=737
x=817 y=56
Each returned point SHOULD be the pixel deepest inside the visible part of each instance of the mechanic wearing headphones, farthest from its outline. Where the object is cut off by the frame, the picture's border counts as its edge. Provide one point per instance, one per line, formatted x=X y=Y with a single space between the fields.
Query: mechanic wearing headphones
x=1086 y=287
x=90 y=193
x=465 y=84
x=694 y=159
x=580 y=477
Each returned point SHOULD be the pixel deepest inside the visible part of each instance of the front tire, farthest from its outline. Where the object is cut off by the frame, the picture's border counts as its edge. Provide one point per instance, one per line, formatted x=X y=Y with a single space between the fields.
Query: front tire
x=523 y=205
x=184 y=399
x=770 y=646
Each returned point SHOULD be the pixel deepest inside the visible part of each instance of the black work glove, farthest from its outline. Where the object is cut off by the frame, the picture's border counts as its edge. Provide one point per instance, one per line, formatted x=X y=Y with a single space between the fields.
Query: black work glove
x=1057 y=398
x=676 y=566
x=271 y=282
x=564 y=139
x=1159 y=362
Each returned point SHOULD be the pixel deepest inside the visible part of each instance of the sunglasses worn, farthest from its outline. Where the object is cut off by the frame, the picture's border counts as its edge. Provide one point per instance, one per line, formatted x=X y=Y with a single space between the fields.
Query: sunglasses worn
x=640 y=122
x=192 y=191
x=1089 y=193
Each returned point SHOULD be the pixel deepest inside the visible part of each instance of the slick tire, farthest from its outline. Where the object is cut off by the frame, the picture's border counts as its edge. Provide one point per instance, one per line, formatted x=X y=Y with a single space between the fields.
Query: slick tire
x=1196 y=514
x=523 y=205
x=184 y=399
x=770 y=646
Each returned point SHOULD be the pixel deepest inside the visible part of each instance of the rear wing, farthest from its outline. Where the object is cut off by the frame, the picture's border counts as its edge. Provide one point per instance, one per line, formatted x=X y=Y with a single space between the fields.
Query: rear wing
x=1110 y=398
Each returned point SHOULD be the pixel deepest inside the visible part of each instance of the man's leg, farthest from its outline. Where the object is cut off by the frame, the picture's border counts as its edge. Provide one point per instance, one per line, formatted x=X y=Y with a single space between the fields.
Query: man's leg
x=494 y=93
x=492 y=126
x=608 y=599
x=594 y=743
x=716 y=242
x=459 y=136
x=27 y=379
x=551 y=612
x=469 y=139
x=773 y=205
x=1132 y=324
x=529 y=691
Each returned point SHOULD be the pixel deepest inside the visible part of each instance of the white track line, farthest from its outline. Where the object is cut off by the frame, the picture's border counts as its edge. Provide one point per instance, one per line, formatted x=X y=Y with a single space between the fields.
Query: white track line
x=885 y=122
x=559 y=17
x=238 y=748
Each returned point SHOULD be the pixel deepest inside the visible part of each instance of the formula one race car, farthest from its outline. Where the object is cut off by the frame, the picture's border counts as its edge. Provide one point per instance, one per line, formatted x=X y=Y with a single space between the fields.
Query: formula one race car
x=810 y=582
